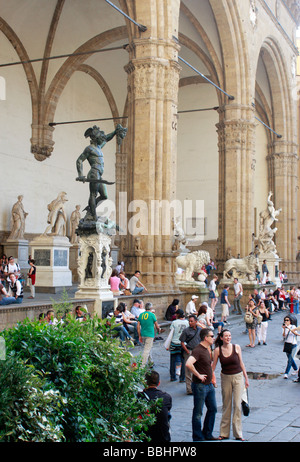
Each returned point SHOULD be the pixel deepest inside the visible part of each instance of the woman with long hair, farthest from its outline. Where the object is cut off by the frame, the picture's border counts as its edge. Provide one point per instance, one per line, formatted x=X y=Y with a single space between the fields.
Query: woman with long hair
x=233 y=380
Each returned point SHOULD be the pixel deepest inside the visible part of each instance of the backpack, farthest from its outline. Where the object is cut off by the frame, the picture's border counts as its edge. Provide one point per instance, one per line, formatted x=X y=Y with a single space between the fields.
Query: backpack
x=248 y=317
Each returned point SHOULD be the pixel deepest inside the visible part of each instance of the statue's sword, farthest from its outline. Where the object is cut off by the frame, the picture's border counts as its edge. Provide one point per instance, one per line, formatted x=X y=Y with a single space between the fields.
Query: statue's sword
x=100 y=180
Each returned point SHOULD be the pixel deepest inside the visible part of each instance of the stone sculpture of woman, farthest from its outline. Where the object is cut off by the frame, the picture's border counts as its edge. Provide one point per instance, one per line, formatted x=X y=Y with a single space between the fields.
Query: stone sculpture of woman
x=18 y=216
x=74 y=222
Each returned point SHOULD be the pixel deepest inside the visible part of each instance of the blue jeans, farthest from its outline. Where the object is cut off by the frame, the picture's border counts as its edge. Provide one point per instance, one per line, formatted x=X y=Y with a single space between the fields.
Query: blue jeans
x=291 y=362
x=296 y=306
x=122 y=332
x=137 y=290
x=203 y=394
x=8 y=301
x=177 y=358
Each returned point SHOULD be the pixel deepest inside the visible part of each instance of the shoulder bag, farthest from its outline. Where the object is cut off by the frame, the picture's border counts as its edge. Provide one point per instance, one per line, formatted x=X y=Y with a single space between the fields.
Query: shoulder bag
x=245 y=403
x=248 y=318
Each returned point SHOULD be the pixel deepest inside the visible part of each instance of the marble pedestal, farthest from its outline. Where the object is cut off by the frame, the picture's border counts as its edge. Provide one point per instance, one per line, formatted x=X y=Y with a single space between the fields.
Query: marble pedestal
x=193 y=288
x=94 y=271
x=51 y=255
x=272 y=261
x=18 y=248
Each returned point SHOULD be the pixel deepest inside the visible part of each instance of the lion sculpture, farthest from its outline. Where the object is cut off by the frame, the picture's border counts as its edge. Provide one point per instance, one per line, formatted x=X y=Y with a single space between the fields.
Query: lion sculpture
x=192 y=262
x=242 y=268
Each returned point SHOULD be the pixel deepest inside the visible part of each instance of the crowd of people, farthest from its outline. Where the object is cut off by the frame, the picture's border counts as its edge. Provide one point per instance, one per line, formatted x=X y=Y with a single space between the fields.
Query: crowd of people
x=196 y=343
x=12 y=281
x=121 y=285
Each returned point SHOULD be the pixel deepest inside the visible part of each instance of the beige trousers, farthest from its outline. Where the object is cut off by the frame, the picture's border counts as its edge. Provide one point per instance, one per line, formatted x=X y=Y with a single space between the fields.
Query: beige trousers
x=232 y=390
x=148 y=343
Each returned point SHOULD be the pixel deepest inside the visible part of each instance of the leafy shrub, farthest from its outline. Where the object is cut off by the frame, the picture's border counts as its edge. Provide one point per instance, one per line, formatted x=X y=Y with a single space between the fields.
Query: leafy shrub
x=90 y=372
x=27 y=411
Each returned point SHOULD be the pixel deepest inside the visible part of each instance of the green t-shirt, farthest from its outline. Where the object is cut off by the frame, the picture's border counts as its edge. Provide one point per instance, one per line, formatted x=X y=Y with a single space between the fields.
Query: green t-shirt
x=147 y=320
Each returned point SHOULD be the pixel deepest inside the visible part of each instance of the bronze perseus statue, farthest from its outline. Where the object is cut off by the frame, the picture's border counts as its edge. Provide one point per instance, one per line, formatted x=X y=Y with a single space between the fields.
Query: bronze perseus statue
x=93 y=154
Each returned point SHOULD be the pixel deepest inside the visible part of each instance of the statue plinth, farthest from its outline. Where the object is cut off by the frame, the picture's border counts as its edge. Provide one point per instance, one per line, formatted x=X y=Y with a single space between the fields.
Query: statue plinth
x=19 y=249
x=95 y=264
x=51 y=255
x=272 y=261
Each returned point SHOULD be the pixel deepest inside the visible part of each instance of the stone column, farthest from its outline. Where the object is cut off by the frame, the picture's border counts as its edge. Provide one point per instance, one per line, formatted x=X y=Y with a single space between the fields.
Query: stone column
x=153 y=76
x=282 y=163
x=236 y=131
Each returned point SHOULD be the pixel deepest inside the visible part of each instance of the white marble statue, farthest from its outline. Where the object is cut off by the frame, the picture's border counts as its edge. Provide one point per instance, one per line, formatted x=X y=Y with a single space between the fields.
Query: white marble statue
x=18 y=217
x=57 y=218
x=74 y=222
x=242 y=268
x=266 y=233
x=192 y=263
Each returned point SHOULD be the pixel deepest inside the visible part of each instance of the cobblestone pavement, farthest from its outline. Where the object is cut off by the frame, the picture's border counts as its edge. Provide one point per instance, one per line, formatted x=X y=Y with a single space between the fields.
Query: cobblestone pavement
x=274 y=401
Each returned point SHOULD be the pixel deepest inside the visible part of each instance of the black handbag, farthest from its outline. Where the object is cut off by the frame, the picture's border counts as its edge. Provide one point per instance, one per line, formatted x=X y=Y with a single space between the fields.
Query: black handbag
x=287 y=347
x=245 y=404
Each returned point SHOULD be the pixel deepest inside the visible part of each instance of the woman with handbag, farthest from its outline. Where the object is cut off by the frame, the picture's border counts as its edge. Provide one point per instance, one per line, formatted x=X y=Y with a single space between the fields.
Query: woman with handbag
x=234 y=379
x=262 y=326
x=290 y=345
x=251 y=321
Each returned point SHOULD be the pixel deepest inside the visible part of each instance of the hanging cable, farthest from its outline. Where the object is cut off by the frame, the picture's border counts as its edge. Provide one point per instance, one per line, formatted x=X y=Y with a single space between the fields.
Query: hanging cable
x=204 y=77
x=140 y=26
x=199 y=110
x=67 y=55
x=269 y=128
x=53 y=124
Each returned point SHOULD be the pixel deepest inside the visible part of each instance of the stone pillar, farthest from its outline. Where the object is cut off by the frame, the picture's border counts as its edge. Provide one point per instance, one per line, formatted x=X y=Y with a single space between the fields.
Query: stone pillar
x=284 y=177
x=153 y=77
x=236 y=167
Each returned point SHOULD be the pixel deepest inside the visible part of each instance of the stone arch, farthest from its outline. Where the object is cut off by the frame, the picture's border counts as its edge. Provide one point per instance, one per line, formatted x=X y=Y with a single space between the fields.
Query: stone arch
x=282 y=156
x=276 y=69
x=23 y=56
x=234 y=49
x=42 y=143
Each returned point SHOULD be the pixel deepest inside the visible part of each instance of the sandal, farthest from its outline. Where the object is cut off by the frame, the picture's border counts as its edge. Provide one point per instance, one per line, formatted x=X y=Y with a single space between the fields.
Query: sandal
x=248 y=345
x=221 y=438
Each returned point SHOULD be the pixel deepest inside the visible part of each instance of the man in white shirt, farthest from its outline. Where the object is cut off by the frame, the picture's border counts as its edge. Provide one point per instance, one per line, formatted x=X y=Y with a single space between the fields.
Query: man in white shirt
x=136 y=308
x=136 y=287
x=238 y=293
x=191 y=306
x=12 y=267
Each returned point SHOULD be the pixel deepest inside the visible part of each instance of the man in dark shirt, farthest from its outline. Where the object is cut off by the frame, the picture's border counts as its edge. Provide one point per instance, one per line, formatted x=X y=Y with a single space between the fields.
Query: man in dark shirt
x=189 y=339
x=199 y=364
x=160 y=431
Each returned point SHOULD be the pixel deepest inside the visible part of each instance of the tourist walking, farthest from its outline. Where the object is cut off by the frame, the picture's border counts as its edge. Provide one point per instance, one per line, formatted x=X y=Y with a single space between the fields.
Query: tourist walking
x=200 y=365
x=251 y=321
x=290 y=345
x=233 y=380
x=147 y=323
x=175 y=348
x=225 y=304
x=238 y=293
x=31 y=278
x=189 y=339
x=213 y=292
x=262 y=327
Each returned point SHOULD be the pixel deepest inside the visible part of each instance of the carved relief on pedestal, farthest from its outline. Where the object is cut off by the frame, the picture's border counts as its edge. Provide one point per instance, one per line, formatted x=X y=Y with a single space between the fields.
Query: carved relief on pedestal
x=94 y=263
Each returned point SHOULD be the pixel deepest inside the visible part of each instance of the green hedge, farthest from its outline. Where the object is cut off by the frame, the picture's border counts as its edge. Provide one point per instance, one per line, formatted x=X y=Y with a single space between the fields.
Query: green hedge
x=70 y=382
